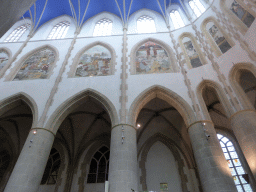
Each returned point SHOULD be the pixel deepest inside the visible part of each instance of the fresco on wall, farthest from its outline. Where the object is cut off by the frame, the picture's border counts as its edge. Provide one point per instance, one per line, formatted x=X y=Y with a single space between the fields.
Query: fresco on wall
x=192 y=54
x=152 y=58
x=36 y=66
x=219 y=38
x=242 y=14
x=94 y=62
x=3 y=58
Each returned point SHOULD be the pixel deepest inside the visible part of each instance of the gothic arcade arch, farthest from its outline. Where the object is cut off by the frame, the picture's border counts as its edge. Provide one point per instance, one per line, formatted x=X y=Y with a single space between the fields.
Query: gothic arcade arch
x=73 y=102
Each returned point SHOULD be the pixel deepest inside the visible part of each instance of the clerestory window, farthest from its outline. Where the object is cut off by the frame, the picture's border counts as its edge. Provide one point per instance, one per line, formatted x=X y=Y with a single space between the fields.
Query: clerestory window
x=59 y=31
x=176 y=19
x=197 y=7
x=146 y=24
x=235 y=166
x=17 y=33
x=103 y=27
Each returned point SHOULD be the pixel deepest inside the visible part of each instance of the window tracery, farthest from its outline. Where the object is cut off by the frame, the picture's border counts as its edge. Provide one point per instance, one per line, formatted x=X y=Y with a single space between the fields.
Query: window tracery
x=99 y=166
x=52 y=168
x=3 y=58
x=176 y=19
x=17 y=33
x=59 y=31
x=103 y=27
x=237 y=171
x=146 y=24
x=197 y=7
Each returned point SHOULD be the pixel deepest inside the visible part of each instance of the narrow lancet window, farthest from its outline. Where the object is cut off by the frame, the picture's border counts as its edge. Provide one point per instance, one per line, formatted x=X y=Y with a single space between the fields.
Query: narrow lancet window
x=237 y=171
x=103 y=27
x=59 y=31
x=197 y=7
x=176 y=19
x=146 y=24
x=17 y=33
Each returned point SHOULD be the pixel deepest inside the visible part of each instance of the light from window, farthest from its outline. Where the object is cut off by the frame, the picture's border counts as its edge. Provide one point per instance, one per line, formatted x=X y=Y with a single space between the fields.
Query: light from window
x=176 y=19
x=197 y=7
x=146 y=24
x=17 y=33
x=59 y=31
x=234 y=164
x=103 y=27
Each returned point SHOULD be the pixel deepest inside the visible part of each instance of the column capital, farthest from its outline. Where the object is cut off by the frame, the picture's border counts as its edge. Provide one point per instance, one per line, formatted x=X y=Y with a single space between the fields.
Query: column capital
x=36 y=128
x=241 y=111
x=201 y=121
x=124 y=125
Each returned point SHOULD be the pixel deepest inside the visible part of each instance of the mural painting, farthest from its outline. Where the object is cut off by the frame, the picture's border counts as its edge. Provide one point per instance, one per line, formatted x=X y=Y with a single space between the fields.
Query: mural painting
x=3 y=58
x=36 y=66
x=94 y=62
x=152 y=58
x=242 y=14
x=192 y=54
x=219 y=38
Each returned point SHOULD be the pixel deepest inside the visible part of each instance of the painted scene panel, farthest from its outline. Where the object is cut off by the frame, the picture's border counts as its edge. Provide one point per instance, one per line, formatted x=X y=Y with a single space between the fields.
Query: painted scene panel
x=36 y=66
x=192 y=54
x=94 y=62
x=3 y=59
x=242 y=14
x=152 y=58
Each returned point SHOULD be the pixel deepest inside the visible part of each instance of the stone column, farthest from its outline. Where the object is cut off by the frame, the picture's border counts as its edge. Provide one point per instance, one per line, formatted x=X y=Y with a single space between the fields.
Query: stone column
x=123 y=159
x=243 y=124
x=213 y=169
x=29 y=168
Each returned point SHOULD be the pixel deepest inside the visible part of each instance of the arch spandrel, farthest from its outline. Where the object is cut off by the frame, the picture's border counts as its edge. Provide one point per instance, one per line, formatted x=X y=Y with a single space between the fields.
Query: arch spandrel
x=61 y=112
x=165 y=94
x=152 y=56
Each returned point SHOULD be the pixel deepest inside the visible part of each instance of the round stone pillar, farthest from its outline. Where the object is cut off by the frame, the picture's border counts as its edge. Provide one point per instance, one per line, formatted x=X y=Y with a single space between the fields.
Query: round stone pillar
x=243 y=124
x=28 y=171
x=123 y=159
x=213 y=169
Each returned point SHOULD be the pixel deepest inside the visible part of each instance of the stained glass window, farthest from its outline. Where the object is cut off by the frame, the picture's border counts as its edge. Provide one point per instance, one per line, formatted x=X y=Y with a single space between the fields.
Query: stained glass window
x=146 y=24
x=103 y=27
x=176 y=19
x=234 y=164
x=17 y=33
x=99 y=166
x=197 y=7
x=59 y=31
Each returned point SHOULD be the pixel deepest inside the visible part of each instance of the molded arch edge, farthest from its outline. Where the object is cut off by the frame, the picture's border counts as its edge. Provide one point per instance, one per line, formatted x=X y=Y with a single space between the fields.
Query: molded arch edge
x=220 y=94
x=72 y=71
x=234 y=76
x=170 y=53
x=73 y=102
x=18 y=64
x=165 y=94
x=12 y=101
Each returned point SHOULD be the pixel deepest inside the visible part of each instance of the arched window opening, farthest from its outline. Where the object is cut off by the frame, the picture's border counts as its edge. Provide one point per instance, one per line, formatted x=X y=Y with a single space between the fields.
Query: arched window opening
x=176 y=19
x=99 y=166
x=52 y=168
x=191 y=52
x=242 y=14
x=146 y=24
x=59 y=31
x=3 y=58
x=17 y=33
x=234 y=164
x=103 y=27
x=197 y=7
x=36 y=66
x=5 y=159
x=218 y=37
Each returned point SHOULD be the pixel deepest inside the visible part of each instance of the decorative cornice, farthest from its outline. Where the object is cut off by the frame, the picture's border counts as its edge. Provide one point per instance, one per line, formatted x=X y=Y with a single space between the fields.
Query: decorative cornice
x=124 y=125
x=238 y=112
x=201 y=121
x=54 y=135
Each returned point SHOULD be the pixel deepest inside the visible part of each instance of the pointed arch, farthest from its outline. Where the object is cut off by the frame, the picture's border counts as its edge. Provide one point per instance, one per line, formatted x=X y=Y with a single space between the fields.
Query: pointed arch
x=165 y=94
x=234 y=76
x=220 y=94
x=21 y=61
x=168 y=49
x=76 y=59
x=73 y=102
x=12 y=101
